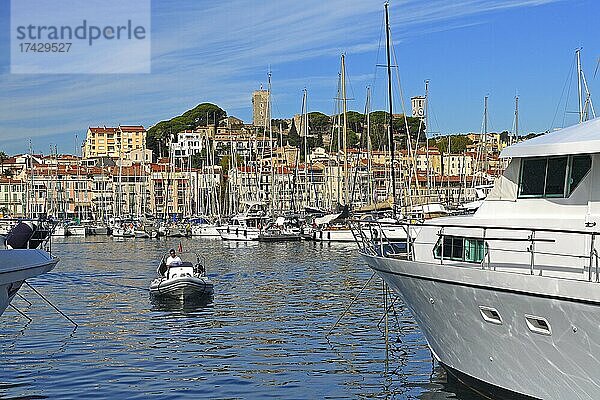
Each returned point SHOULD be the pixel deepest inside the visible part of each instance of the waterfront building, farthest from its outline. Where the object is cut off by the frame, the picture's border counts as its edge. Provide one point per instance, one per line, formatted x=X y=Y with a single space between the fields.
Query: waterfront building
x=12 y=197
x=113 y=142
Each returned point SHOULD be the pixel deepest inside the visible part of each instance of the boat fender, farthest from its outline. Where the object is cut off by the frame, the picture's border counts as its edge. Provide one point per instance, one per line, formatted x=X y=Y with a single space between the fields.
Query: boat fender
x=19 y=236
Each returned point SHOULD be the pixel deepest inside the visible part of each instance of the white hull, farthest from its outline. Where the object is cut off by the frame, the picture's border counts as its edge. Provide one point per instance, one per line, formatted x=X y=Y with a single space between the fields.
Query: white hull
x=391 y=232
x=205 y=230
x=122 y=233
x=184 y=288
x=511 y=351
x=60 y=231
x=238 y=233
x=17 y=266
x=76 y=230
x=333 y=235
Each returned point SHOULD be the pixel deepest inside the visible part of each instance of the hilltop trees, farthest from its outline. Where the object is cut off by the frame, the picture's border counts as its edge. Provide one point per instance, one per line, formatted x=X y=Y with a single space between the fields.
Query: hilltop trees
x=458 y=143
x=320 y=127
x=201 y=115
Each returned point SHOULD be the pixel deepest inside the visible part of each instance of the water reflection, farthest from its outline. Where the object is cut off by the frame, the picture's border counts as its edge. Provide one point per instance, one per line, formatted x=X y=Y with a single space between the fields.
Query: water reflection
x=262 y=334
x=167 y=304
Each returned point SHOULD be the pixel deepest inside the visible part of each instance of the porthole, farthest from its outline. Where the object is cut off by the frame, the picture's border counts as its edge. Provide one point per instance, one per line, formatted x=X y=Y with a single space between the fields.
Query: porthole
x=538 y=325
x=491 y=315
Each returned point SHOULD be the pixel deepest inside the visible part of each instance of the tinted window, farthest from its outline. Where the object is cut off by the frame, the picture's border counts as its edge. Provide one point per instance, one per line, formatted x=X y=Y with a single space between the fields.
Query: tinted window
x=457 y=248
x=555 y=177
x=460 y=249
x=579 y=168
x=533 y=173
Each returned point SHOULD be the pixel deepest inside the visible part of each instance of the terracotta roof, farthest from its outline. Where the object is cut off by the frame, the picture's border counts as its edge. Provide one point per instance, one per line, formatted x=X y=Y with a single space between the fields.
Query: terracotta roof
x=10 y=180
x=132 y=128
x=102 y=129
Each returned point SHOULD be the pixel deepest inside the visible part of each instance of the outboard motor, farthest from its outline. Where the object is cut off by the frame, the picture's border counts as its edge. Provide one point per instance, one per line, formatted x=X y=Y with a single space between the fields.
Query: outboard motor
x=19 y=236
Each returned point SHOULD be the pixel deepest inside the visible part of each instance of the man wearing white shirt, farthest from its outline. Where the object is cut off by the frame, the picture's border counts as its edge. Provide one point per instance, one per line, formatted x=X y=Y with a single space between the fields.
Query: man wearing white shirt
x=173 y=259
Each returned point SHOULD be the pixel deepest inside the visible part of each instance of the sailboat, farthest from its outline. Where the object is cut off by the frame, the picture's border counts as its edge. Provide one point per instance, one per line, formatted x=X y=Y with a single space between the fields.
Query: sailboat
x=333 y=227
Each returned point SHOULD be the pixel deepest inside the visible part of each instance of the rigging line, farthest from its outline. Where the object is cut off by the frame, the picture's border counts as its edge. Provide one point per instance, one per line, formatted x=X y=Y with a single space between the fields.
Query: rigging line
x=562 y=94
x=406 y=127
x=378 y=49
x=350 y=304
x=23 y=298
x=20 y=312
x=53 y=306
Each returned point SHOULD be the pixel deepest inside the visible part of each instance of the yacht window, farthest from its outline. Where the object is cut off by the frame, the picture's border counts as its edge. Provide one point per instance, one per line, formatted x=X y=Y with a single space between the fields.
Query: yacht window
x=533 y=173
x=460 y=249
x=555 y=177
x=552 y=176
x=580 y=165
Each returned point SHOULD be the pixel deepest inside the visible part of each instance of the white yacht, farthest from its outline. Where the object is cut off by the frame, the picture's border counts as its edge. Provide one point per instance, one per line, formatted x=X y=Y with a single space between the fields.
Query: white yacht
x=247 y=225
x=18 y=262
x=508 y=298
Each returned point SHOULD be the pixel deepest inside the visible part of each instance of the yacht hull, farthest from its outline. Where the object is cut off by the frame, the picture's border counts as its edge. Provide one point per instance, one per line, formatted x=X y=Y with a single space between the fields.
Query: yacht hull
x=508 y=350
x=240 y=234
x=76 y=230
x=205 y=231
x=391 y=233
x=16 y=267
x=333 y=235
x=184 y=288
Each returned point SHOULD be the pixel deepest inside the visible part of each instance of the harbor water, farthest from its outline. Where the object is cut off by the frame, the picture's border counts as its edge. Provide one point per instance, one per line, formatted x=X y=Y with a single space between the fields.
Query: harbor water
x=264 y=334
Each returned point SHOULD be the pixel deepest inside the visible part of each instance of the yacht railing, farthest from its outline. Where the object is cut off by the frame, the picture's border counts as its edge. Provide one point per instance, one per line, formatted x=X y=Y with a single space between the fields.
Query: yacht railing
x=371 y=240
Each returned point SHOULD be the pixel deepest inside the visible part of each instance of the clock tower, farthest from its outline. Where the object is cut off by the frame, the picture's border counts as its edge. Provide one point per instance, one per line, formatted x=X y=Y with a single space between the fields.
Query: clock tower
x=418 y=106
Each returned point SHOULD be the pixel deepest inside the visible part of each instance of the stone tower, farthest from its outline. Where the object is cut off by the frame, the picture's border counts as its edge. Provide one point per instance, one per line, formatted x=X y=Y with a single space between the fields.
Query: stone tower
x=260 y=108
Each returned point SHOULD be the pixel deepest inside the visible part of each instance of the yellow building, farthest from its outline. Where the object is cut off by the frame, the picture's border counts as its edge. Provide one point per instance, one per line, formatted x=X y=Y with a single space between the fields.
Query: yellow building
x=113 y=142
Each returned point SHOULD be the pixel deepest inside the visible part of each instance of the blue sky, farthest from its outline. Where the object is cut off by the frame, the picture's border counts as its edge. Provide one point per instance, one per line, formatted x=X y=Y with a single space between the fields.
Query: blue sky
x=219 y=52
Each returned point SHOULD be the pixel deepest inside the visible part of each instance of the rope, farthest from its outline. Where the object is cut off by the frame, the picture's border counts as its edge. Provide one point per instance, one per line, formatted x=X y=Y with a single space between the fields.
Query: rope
x=350 y=305
x=52 y=305
x=20 y=312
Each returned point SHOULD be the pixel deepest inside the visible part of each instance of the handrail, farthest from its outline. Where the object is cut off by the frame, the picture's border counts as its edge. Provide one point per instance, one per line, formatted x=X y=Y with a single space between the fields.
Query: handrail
x=471 y=226
x=377 y=244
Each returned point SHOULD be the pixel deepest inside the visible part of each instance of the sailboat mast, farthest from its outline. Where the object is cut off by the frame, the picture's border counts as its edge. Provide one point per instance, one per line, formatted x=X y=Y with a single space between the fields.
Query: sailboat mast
x=426 y=122
x=369 y=148
x=345 y=130
x=514 y=137
x=304 y=130
x=579 y=88
x=390 y=99
x=485 y=130
x=271 y=146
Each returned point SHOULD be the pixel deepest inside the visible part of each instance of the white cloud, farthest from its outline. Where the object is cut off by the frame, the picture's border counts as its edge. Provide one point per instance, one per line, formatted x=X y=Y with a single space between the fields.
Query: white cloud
x=214 y=51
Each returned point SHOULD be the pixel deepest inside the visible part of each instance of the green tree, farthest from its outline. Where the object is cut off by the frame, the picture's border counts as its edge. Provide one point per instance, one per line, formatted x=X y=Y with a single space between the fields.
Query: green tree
x=458 y=143
x=379 y=135
x=225 y=162
x=204 y=114
x=293 y=137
